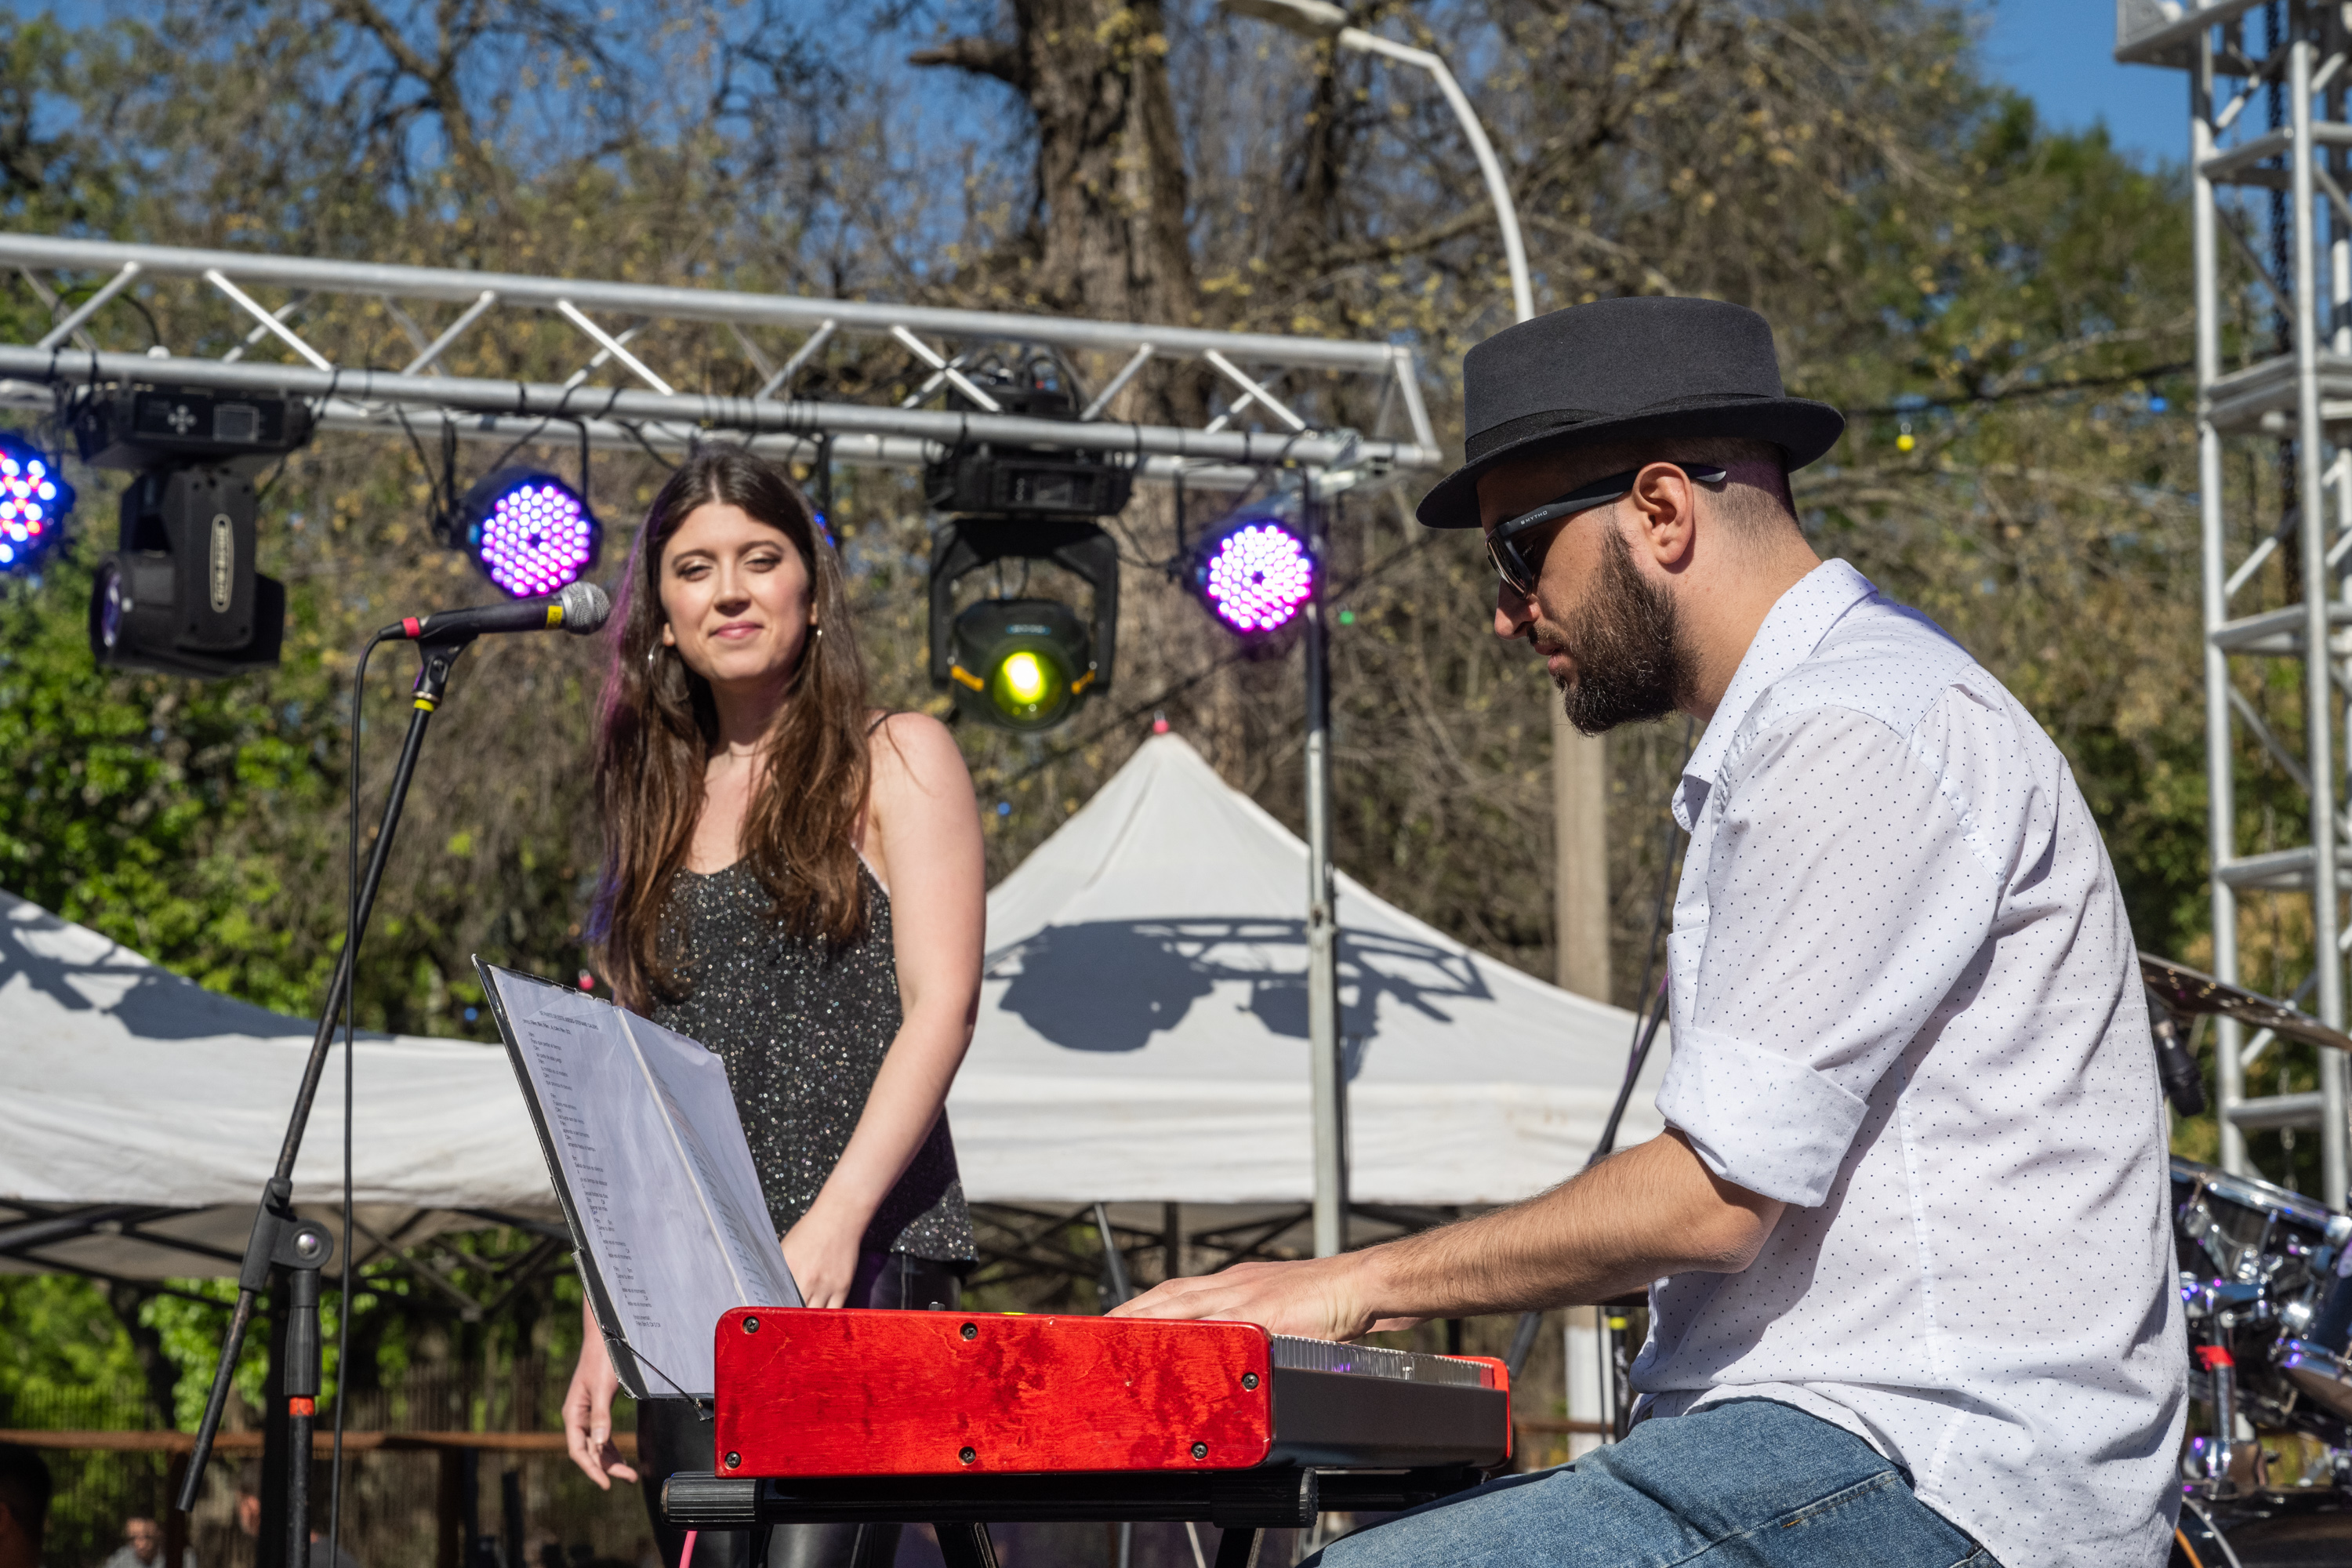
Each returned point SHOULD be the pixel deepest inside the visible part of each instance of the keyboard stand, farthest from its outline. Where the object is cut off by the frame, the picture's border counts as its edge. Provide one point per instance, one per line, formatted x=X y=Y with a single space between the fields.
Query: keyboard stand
x=961 y=1508
x=967 y=1546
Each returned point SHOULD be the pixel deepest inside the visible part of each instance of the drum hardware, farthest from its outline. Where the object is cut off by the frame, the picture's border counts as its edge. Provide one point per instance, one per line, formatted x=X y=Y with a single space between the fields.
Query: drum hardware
x=2176 y=1065
x=2313 y=1342
x=2229 y=1302
x=2187 y=992
x=2270 y=1318
x=2205 y=1466
x=2241 y=1261
x=2206 y=1463
x=2265 y=1278
x=2321 y=1375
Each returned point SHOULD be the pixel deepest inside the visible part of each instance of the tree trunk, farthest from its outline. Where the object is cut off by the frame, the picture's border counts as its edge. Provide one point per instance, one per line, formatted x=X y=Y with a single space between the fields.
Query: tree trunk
x=156 y=1369
x=1112 y=188
x=1110 y=168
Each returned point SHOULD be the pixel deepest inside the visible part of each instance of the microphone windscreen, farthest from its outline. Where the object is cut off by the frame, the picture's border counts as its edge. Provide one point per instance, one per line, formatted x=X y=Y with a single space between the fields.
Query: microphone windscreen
x=585 y=607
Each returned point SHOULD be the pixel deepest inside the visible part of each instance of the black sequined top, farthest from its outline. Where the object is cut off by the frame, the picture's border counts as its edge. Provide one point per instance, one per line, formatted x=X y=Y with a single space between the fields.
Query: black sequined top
x=802 y=1033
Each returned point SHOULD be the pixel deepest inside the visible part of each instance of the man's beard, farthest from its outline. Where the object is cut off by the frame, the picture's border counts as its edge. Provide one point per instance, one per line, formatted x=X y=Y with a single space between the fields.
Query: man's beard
x=1630 y=666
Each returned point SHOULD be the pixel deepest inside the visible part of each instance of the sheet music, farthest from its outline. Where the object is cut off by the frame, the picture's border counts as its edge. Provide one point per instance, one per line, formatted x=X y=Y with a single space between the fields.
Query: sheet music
x=649 y=1157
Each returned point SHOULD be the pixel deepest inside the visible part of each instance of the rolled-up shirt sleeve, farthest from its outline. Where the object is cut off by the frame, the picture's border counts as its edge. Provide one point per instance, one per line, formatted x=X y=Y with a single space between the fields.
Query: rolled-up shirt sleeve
x=1845 y=897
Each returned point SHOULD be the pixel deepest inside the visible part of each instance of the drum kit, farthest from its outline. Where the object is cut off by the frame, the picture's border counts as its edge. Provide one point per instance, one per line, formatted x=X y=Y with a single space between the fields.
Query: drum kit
x=2266 y=1283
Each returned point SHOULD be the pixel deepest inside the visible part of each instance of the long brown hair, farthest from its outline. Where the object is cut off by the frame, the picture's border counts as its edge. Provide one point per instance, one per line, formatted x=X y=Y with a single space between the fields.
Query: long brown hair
x=658 y=725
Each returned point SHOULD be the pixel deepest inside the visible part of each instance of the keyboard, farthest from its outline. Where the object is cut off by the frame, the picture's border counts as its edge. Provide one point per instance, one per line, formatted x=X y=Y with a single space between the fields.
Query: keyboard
x=809 y=1394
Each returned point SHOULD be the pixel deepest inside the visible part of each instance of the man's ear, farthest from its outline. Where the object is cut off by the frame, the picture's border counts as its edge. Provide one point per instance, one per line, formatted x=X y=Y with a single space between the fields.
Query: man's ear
x=1663 y=502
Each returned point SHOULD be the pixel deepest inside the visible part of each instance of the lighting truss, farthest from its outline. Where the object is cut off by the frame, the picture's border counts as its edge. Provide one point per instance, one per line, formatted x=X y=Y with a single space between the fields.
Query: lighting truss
x=340 y=327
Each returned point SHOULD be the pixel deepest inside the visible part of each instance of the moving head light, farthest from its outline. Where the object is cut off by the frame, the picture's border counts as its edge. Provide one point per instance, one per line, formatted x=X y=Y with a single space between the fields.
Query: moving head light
x=1024 y=664
x=144 y=427
x=179 y=595
x=987 y=480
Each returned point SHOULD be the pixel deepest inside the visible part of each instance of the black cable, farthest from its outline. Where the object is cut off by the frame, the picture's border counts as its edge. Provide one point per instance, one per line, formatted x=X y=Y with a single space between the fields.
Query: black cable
x=65 y=296
x=2038 y=389
x=562 y=410
x=1645 y=1032
x=1179 y=476
x=519 y=442
x=820 y=481
x=276 y=470
x=1652 y=1010
x=636 y=434
x=350 y=992
x=1130 y=552
x=442 y=496
x=1646 y=1020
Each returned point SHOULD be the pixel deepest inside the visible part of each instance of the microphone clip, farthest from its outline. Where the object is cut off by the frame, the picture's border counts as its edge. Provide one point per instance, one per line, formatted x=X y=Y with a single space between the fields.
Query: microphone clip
x=436 y=655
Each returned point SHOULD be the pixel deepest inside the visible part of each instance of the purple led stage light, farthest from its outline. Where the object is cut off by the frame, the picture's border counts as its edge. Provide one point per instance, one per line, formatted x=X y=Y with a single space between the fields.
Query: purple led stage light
x=1256 y=577
x=530 y=533
x=33 y=503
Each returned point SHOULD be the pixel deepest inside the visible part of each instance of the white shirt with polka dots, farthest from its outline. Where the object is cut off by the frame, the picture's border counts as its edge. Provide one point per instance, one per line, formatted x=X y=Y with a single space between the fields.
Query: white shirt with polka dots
x=1905 y=1003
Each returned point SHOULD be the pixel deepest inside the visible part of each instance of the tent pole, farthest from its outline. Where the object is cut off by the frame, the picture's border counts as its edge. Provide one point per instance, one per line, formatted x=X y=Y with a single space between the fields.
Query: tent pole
x=1322 y=925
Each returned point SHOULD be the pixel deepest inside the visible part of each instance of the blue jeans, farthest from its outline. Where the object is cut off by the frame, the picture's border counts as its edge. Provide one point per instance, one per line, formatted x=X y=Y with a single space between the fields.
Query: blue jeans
x=1749 y=1481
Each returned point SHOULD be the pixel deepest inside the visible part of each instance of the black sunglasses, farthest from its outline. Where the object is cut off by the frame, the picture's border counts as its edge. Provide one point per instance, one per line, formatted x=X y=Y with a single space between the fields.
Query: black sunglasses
x=1519 y=568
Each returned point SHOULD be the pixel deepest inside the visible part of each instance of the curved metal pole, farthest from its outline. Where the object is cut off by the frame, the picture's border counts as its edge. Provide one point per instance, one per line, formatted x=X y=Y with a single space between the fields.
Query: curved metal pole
x=1315 y=19
x=1523 y=294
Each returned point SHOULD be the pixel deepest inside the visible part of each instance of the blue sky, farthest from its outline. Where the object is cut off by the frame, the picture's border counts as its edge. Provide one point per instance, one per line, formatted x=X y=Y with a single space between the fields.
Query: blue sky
x=2061 y=53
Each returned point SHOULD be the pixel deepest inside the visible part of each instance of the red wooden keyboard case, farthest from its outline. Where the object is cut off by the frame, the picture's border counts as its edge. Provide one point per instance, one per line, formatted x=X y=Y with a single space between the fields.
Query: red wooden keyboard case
x=866 y=1393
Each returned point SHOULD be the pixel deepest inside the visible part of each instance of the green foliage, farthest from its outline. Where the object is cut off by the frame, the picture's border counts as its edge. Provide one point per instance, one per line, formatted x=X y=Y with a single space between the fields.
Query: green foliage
x=134 y=797
x=58 y=1335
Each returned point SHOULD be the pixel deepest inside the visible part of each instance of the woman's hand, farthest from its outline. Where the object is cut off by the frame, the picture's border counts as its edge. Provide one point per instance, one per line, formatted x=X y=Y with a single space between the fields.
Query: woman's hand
x=821 y=1251
x=588 y=1409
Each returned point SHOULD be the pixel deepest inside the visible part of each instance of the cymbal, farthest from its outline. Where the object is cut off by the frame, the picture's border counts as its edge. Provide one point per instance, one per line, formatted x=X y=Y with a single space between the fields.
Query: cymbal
x=2186 y=991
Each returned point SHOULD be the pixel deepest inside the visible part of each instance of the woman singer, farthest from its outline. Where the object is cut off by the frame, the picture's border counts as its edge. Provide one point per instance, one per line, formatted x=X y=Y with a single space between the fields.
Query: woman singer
x=794 y=879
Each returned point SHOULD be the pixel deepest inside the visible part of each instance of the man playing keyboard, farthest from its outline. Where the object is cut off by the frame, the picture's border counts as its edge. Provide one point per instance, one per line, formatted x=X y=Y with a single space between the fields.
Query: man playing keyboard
x=1910 y=1277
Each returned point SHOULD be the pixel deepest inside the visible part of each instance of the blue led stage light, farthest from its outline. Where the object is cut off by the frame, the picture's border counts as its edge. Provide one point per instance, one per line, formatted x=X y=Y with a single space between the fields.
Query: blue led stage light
x=33 y=501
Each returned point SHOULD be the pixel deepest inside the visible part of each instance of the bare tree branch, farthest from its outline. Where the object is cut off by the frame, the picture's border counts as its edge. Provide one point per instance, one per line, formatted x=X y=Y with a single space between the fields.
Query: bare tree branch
x=438 y=77
x=981 y=56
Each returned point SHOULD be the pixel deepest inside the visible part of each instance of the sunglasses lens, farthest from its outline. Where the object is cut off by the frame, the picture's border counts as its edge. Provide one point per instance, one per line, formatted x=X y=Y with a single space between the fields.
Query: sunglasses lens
x=1512 y=568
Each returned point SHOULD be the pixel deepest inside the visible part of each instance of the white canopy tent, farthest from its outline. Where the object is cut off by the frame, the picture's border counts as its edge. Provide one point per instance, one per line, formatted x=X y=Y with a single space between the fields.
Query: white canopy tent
x=1142 y=1032
x=142 y=1113
x=1143 y=1038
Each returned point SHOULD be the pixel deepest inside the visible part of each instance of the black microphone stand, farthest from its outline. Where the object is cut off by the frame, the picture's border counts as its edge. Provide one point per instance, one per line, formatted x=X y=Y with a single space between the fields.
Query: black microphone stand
x=282 y=1239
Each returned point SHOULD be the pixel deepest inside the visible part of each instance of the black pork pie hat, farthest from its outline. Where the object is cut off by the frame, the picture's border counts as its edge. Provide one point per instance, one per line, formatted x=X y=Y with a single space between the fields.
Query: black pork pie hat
x=1618 y=370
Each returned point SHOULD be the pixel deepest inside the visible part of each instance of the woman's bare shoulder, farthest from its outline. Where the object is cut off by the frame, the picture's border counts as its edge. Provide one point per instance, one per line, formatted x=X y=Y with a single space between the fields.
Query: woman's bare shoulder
x=916 y=750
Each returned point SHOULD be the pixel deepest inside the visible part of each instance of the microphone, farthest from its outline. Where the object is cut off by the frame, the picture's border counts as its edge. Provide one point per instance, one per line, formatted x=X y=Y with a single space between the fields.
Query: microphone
x=580 y=609
x=2183 y=1081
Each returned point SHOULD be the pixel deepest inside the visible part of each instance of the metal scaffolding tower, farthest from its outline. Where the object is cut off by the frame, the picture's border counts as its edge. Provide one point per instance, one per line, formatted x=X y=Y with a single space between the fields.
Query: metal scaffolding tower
x=2291 y=397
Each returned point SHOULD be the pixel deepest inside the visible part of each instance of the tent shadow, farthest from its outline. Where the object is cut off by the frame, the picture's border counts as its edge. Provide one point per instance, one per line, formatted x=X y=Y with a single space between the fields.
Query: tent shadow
x=155 y=1004
x=1110 y=985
